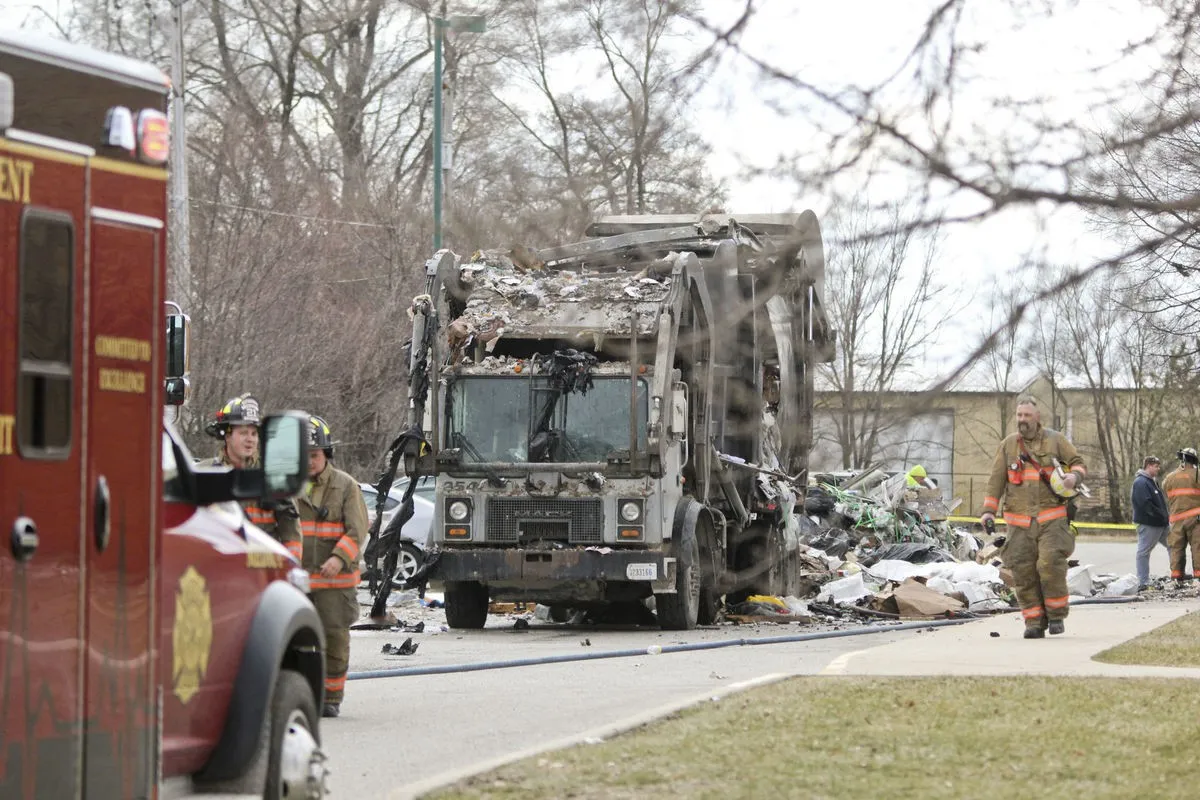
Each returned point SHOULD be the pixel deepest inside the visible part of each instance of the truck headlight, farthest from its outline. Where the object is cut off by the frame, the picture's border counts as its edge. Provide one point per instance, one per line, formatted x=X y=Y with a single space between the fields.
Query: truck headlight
x=630 y=510
x=458 y=510
x=298 y=577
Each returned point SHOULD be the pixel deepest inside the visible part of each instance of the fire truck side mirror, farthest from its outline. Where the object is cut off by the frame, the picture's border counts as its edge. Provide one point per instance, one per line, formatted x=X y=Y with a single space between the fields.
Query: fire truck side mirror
x=179 y=334
x=284 y=451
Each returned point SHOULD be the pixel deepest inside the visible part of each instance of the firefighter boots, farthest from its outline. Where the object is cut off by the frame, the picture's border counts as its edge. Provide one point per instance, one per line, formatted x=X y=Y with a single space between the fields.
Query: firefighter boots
x=331 y=710
x=1057 y=627
x=1034 y=632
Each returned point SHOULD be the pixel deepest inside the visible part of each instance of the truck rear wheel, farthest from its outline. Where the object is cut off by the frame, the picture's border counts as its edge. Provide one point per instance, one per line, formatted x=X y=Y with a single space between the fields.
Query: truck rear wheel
x=709 y=607
x=679 y=610
x=466 y=604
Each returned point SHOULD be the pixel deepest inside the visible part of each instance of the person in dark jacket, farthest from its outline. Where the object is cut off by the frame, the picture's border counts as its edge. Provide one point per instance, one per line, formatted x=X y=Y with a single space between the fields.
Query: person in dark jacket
x=1149 y=515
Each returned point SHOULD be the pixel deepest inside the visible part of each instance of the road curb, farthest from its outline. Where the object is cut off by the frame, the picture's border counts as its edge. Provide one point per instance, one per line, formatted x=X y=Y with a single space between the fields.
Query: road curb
x=450 y=777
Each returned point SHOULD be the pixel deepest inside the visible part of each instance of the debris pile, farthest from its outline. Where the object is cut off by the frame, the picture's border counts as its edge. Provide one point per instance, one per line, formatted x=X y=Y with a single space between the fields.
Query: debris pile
x=504 y=292
x=878 y=517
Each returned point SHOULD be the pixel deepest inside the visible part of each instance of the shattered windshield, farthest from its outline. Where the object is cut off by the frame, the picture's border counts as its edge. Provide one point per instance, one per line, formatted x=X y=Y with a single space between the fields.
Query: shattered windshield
x=489 y=419
x=493 y=416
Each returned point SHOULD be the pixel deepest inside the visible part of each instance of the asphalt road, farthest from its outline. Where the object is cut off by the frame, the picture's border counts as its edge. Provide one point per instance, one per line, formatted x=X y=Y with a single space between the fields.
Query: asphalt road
x=1118 y=557
x=395 y=733
x=400 y=734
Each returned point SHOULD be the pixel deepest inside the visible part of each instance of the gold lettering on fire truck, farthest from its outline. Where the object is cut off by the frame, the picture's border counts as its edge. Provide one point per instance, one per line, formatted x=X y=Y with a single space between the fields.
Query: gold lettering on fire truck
x=15 y=178
x=193 y=634
x=263 y=559
x=123 y=348
x=121 y=380
x=6 y=434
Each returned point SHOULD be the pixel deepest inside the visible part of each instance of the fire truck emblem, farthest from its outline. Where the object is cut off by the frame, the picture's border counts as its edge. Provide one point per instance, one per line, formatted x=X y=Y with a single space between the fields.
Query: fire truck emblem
x=192 y=635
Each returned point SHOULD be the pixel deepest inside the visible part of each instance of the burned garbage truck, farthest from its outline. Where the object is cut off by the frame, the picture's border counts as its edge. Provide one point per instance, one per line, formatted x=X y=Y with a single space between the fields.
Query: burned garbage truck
x=623 y=417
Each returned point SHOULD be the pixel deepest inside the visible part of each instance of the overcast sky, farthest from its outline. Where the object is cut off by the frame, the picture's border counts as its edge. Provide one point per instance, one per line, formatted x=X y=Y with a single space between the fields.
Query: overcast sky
x=1071 y=57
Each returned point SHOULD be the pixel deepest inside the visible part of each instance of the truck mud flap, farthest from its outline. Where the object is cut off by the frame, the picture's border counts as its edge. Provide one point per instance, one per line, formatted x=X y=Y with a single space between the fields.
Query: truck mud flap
x=492 y=566
x=284 y=613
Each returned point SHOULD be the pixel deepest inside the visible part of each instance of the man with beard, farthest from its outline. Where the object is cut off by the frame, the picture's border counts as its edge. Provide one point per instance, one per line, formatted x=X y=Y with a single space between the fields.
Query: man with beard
x=1039 y=533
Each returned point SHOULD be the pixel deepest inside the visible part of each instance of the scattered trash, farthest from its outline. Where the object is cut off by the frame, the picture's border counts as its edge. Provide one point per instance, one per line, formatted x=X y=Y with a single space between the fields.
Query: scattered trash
x=521 y=625
x=844 y=590
x=586 y=643
x=994 y=634
x=1125 y=586
x=1080 y=581
x=405 y=649
x=915 y=600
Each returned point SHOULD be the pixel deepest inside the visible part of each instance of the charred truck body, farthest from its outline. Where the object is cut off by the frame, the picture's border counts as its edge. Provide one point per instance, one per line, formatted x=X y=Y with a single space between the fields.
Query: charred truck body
x=626 y=416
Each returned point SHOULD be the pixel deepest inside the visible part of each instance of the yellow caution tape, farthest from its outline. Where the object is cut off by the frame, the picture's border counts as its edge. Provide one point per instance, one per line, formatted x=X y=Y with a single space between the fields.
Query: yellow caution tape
x=1076 y=523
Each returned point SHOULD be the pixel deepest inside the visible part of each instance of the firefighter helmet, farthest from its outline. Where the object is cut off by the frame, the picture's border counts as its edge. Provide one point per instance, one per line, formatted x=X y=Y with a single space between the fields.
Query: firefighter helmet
x=241 y=410
x=320 y=436
x=1188 y=456
x=1060 y=489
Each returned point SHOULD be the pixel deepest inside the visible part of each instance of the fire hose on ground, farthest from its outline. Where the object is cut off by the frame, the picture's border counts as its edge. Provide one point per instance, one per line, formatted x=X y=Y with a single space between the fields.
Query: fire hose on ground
x=636 y=652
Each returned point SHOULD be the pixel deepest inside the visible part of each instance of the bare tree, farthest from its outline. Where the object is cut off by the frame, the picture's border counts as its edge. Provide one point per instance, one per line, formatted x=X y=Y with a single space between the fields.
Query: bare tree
x=887 y=306
x=1096 y=336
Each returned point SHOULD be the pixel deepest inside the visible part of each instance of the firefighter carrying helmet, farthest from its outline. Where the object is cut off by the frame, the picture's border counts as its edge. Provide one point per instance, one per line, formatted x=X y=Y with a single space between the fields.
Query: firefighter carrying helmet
x=241 y=410
x=1188 y=456
x=1060 y=489
x=320 y=436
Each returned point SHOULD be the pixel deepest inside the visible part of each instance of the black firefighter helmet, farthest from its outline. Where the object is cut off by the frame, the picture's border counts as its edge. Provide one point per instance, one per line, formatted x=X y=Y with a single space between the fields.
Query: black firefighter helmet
x=320 y=436
x=241 y=410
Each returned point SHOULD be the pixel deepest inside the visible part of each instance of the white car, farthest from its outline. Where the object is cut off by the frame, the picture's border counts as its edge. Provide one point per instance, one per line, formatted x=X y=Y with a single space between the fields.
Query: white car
x=414 y=538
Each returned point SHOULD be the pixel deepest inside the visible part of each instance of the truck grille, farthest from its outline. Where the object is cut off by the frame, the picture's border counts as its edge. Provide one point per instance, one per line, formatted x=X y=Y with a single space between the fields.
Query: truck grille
x=512 y=520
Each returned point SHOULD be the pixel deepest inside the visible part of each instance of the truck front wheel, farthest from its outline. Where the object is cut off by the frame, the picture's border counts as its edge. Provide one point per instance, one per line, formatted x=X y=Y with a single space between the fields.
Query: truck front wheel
x=678 y=610
x=288 y=761
x=466 y=604
x=296 y=767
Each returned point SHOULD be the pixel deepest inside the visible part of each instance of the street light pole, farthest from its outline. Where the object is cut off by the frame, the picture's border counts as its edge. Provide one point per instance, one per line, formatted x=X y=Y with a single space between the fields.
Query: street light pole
x=469 y=23
x=438 y=24
x=181 y=257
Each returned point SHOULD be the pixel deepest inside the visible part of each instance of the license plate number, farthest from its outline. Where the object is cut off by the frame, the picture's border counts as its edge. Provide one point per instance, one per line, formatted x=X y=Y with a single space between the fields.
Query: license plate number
x=641 y=572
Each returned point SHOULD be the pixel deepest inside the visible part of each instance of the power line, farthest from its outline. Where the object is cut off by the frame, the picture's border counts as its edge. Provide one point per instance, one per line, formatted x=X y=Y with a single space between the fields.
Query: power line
x=309 y=217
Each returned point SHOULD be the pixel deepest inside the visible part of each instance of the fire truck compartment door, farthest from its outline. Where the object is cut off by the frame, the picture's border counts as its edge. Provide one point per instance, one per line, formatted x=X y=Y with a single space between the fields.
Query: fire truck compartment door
x=124 y=436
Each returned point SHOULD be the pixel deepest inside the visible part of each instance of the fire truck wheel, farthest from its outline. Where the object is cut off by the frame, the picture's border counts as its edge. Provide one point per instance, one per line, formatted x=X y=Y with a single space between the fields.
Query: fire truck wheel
x=288 y=744
x=296 y=766
x=678 y=610
x=466 y=604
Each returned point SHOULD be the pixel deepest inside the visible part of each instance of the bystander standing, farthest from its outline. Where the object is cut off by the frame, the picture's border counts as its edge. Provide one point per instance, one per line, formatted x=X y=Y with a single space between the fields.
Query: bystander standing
x=1149 y=515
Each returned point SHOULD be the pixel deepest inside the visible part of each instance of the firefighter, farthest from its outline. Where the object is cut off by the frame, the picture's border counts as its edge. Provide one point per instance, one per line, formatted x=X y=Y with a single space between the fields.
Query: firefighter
x=236 y=425
x=333 y=520
x=1183 y=500
x=917 y=478
x=1034 y=491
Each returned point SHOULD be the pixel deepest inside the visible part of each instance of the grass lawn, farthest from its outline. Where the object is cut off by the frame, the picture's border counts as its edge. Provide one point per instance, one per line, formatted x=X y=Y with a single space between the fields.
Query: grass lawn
x=1176 y=644
x=1076 y=738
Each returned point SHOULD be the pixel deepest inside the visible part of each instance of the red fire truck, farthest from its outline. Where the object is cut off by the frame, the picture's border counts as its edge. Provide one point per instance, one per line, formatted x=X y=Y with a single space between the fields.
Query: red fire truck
x=153 y=642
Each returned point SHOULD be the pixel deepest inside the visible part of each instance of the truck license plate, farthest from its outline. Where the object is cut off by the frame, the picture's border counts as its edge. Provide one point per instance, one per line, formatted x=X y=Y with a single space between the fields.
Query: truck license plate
x=641 y=572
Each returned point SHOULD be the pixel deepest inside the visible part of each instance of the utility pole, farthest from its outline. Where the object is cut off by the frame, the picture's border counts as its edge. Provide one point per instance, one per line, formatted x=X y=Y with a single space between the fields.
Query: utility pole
x=180 y=231
x=473 y=23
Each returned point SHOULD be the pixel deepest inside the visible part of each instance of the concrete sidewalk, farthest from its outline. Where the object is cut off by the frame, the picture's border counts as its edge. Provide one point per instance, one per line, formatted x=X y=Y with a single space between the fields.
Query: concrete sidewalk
x=971 y=649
